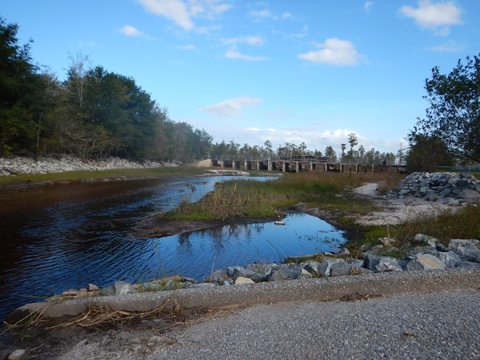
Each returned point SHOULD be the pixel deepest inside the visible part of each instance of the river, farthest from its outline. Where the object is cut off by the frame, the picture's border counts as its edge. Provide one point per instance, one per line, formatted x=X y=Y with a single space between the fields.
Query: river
x=65 y=236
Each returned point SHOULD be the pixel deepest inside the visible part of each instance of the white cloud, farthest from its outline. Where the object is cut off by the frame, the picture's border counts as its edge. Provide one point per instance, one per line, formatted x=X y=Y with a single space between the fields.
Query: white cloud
x=449 y=47
x=182 y=12
x=368 y=5
x=234 y=54
x=267 y=14
x=333 y=51
x=130 y=30
x=232 y=107
x=188 y=47
x=436 y=16
x=250 y=40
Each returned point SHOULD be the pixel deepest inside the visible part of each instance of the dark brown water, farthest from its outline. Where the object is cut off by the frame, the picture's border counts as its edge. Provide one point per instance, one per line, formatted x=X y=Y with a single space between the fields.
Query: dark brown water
x=66 y=236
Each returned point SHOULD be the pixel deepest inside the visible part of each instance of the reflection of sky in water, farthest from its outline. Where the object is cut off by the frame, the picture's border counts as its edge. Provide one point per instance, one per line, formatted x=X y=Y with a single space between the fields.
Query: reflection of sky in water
x=194 y=254
x=71 y=244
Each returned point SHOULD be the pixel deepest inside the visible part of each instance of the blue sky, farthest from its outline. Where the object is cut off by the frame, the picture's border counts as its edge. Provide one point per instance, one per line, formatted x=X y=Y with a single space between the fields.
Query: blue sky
x=283 y=70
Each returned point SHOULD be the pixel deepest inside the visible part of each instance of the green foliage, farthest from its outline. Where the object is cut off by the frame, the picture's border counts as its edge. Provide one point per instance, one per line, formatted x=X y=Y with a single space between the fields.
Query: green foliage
x=426 y=153
x=94 y=113
x=453 y=114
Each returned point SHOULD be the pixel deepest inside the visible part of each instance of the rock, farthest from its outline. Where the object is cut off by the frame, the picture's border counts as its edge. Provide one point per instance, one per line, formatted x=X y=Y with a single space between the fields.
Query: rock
x=344 y=251
x=243 y=280
x=450 y=259
x=466 y=248
x=261 y=268
x=92 y=287
x=285 y=272
x=427 y=239
x=312 y=267
x=341 y=267
x=440 y=247
x=387 y=263
x=425 y=262
x=219 y=276
x=304 y=274
x=370 y=261
x=239 y=271
x=468 y=265
x=122 y=288
x=17 y=354
x=387 y=241
x=325 y=267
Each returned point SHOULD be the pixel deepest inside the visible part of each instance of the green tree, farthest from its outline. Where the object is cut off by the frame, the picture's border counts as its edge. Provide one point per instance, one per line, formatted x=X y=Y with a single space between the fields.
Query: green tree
x=353 y=141
x=330 y=153
x=426 y=153
x=453 y=115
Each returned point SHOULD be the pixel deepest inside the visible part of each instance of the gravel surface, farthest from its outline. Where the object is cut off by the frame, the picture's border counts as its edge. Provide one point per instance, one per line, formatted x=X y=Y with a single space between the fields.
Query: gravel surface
x=442 y=325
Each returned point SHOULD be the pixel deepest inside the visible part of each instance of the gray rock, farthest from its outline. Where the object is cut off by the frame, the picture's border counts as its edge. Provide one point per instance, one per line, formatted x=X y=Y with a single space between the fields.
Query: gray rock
x=17 y=354
x=285 y=272
x=468 y=265
x=261 y=268
x=469 y=194
x=387 y=241
x=466 y=248
x=92 y=287
x=370 y=261
x=450 y=259
x=312 y=267
x=122 y=288
x=239 y=271
x=440 y=247
x=427 y=239
x=341 y=267
x=325 y=267
x=425 y=262
x=219 y=276
x=243 y=281
x=387 y=263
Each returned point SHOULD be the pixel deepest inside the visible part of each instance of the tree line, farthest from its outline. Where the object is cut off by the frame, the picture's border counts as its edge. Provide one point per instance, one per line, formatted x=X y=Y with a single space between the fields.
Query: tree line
x=287 y=150
x=93 y=113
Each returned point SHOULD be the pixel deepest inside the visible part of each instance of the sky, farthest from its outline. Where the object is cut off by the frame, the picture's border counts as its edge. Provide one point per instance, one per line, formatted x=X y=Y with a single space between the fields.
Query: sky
x=254 y=70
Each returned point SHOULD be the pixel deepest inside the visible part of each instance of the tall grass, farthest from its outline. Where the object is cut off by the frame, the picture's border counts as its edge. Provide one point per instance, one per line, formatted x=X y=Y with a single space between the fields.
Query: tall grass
x=253 y=199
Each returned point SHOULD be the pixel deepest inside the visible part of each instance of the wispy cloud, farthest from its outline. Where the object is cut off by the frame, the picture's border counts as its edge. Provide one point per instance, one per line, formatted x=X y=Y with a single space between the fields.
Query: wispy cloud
x=368 y=5
x=182 y=12
x=130 y=30
x=188 y=47
x=264 y=14
x=333 y=51
x=249 y=40
x=234 y=54
x=447 y=48
x=232 y=107
x=434 y=16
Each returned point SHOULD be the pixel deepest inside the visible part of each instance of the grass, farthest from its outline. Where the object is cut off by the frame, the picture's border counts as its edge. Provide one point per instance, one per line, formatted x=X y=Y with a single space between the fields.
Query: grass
x=247 y=199
x=100 y=174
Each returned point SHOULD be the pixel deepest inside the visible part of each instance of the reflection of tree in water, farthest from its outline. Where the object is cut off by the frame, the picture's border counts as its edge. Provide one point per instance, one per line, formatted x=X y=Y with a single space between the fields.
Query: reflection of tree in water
x=184 y=247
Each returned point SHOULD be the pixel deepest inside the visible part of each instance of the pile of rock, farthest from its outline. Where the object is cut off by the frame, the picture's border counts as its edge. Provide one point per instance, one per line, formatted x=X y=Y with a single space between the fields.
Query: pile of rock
x=429 y=254
x=448 y=188
x=23 y=165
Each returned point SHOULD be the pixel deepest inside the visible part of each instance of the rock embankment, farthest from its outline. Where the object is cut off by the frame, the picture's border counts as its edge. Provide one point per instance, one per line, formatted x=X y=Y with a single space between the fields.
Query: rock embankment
x=429 y=254
x=446 y=188
x=23 y=165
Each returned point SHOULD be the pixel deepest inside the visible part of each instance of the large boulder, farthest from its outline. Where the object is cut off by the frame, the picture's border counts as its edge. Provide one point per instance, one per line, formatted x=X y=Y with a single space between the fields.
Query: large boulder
x=466 y=248
x=239 y=271
x=425 y=262
x=340 y=267
x=285 y=272
x=387 y=263
x=450 y=259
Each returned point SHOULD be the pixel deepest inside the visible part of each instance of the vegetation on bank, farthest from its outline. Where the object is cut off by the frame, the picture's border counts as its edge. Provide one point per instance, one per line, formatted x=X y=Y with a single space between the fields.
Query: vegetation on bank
x=249 y=199
x=100 y=174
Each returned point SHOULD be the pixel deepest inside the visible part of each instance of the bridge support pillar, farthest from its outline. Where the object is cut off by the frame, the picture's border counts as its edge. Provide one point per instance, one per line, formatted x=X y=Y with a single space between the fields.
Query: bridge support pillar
x=259 y=166
x=284 y=166
x=270 y=165
x=297 y=166
x=222 y=164
x=235 y=164
x=312 y=166
x=245 y=165
x=356 y=168
x=326 y=167
x=341 y=168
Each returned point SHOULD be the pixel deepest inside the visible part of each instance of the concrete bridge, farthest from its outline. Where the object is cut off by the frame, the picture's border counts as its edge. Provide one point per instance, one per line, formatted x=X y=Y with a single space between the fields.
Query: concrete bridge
x=298 y=164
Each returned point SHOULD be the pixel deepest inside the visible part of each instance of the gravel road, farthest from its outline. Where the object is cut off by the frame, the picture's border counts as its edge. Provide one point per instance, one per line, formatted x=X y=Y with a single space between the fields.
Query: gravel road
x=443 y=325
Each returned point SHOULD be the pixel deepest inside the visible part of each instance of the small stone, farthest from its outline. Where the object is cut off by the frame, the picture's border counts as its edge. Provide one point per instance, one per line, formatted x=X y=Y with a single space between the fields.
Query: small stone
x=92 y=287
x=387 y=241
x=243 y=280
x=122 y=288
x=17 y=354
x=387 y=263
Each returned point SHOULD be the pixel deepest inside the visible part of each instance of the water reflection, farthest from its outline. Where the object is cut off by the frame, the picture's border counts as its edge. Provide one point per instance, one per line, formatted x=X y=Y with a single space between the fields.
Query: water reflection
x=83 y=236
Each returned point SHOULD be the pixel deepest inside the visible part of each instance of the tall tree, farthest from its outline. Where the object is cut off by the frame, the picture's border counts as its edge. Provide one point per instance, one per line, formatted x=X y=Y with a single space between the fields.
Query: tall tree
x=453 y=115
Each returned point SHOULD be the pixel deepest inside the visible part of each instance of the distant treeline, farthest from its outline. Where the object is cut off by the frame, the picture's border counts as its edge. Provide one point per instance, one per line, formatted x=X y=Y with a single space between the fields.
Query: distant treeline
x=93 y=113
